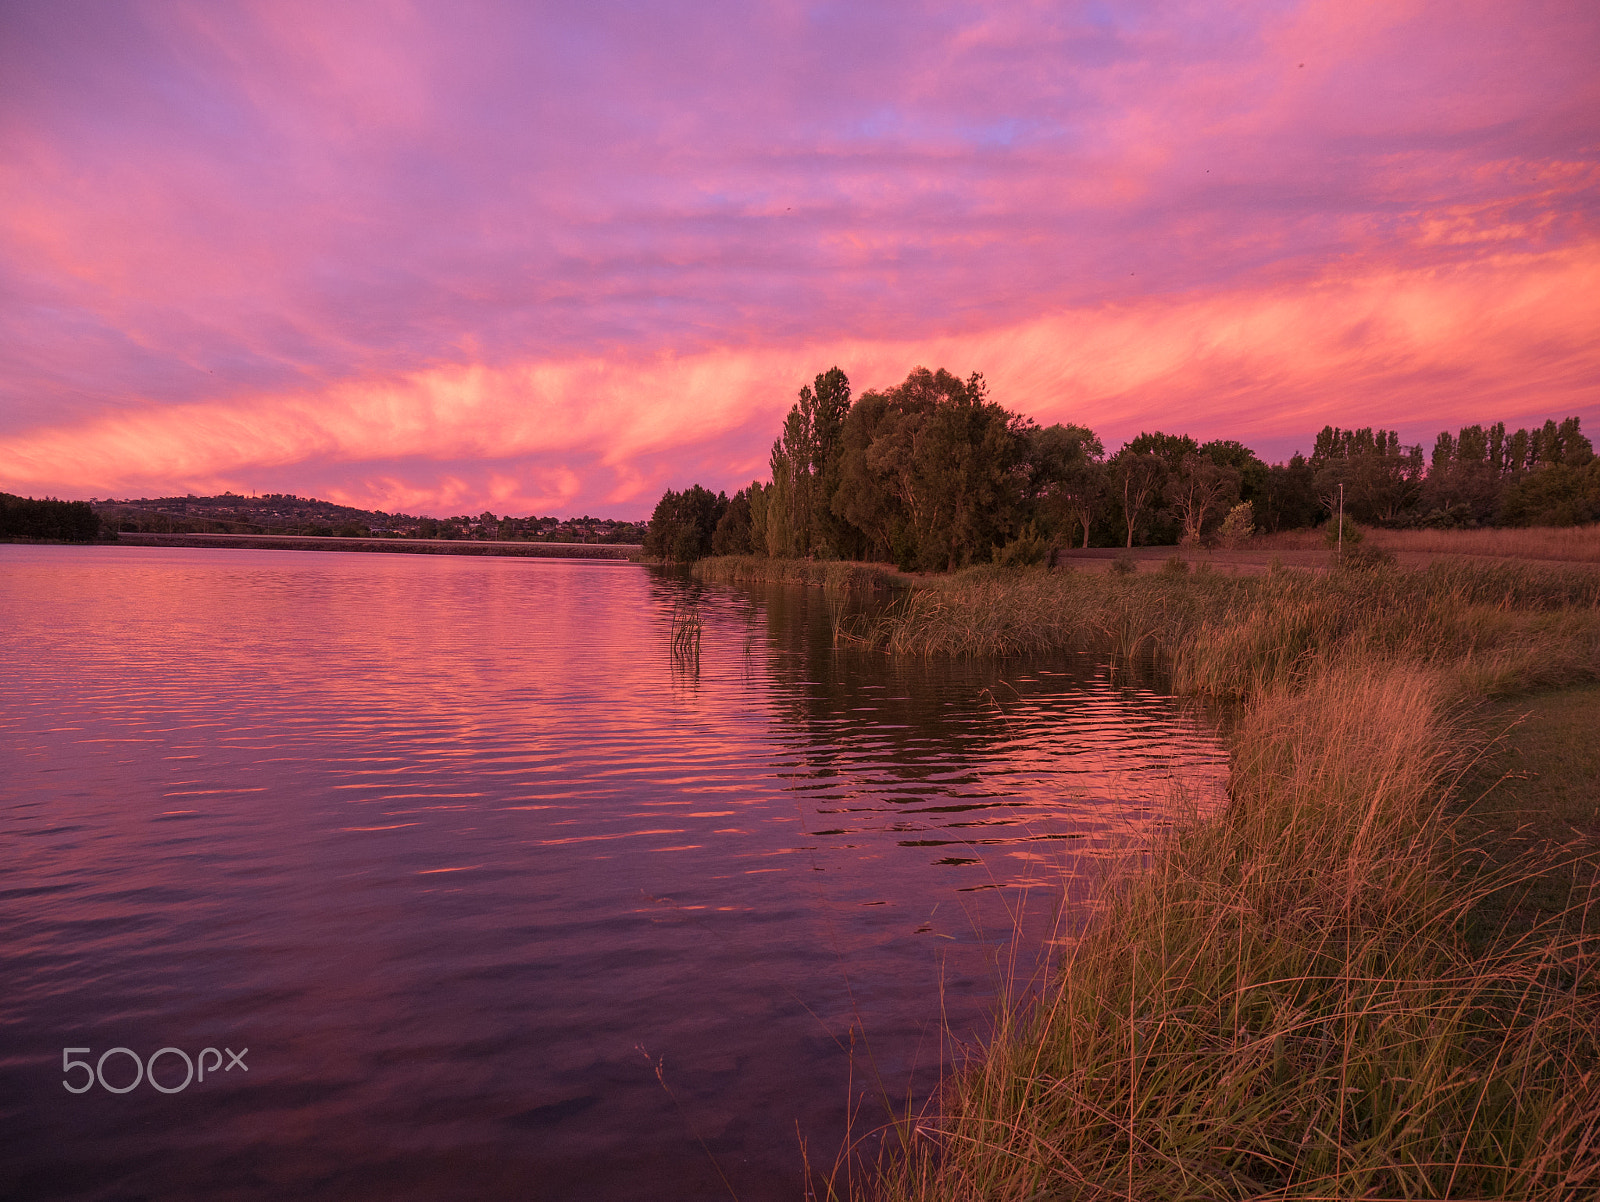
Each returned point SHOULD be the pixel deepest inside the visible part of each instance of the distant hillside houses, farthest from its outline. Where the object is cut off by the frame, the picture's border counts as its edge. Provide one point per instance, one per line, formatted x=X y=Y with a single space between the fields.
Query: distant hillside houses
x=285 y=513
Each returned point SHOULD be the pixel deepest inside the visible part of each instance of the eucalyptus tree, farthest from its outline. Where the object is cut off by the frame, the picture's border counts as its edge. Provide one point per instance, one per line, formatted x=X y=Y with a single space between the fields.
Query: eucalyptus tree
x=1199 y=490
x=1228 y=452
x=1136 y=479
x=932 y=473
x=1066 y=478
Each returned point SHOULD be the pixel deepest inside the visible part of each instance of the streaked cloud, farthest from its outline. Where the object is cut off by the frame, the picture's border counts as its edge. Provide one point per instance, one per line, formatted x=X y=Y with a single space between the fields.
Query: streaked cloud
x=536 y=258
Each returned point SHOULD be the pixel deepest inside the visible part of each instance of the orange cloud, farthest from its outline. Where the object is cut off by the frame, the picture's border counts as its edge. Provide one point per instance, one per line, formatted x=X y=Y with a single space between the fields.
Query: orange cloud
x=366 y=252
x=1499 y=337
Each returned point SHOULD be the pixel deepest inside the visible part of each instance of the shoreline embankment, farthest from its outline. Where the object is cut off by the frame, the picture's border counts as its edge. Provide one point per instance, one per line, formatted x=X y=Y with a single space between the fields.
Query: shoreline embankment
x=620 y=552
x=1329 y=988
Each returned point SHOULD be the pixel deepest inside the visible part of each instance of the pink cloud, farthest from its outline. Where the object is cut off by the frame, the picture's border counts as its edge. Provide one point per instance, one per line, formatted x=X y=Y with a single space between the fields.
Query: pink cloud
x=1420 y=350
x=539 y=257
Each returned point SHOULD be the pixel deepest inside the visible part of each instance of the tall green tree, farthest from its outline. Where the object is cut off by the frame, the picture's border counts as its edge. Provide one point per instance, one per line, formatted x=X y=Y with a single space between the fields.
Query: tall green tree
x=1136 y=480
x=47 y=519
x=864 y=499
x=732 y=535
x=1554 y=494
x=1289 y=501
x=1462 y=485
x=1381 y=478
x=1066 y=478
x=1161 y=522
x=1200 y=491
x=683 y=524
x=1227 y=452
x=760 y=496
x=932 y=473
x=799 y=516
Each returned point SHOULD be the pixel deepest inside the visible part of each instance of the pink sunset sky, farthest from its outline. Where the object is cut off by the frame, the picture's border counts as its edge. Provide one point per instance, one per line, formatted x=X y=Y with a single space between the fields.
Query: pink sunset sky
x=554 y=258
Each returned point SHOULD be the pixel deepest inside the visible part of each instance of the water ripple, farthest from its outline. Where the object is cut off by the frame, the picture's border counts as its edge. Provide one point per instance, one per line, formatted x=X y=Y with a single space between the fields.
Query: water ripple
x=466 y=856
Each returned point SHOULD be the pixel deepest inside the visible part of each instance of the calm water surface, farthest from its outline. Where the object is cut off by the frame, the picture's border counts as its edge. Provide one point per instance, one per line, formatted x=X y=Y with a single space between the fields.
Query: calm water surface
x=505 y=899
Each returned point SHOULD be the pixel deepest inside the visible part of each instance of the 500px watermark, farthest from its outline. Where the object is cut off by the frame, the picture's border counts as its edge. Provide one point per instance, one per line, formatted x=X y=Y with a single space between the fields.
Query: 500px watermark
x=143 y=1069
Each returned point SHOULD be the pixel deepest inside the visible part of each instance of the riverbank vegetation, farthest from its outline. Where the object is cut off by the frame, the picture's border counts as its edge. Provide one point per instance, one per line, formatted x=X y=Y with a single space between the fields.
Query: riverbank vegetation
x=1333 y=988
x=24 y=519
x=1575 y=544
x=1286 y=1001
x=1336 y=986
x=934 y=475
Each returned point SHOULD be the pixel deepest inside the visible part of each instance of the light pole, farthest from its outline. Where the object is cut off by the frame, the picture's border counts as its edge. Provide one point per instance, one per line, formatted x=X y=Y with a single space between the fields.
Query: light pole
x=1341 y=521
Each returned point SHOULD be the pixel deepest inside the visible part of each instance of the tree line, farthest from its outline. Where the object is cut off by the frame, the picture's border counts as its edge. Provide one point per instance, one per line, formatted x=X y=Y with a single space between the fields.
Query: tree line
x=47 y=520
x=933 y=475
x=285 y=513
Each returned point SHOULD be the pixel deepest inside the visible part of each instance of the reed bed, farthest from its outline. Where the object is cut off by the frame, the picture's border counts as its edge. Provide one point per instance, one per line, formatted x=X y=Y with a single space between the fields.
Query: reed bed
x=1578 y=544
x=1504 y=626
x=687 y=626
x=832 y=575
x=1282 y=1000
x=1279 y=1002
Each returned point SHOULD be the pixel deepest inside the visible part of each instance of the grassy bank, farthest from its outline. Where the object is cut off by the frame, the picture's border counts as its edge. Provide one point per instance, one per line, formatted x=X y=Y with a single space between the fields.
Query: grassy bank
x=1284 y=1002
x=834 y=575
x=1535 y=793
x=1501 y=627
x=1575 y=544
x=1297 y=998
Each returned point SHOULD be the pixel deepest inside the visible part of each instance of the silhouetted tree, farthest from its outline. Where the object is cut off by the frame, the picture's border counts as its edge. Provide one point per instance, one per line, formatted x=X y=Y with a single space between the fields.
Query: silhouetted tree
x=1199 y=491
x=1136 y=481
x=682 y=526
x=732 y=535
x=799 y=519
x=1225 y=452
x=932 y=474
x=47 y=519
x=1065 y=479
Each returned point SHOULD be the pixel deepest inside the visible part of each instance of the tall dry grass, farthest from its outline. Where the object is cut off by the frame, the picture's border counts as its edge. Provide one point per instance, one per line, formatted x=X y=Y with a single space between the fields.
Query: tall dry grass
x=1573 y=544
x=1281 y=1000
x=1577 y=544
x=834 y=575
x=1280 y=1003
x=1505 y=626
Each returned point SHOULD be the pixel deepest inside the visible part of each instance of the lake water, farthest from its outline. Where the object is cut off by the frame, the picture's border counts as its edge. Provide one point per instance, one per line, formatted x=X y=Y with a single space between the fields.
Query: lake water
x=503 y=897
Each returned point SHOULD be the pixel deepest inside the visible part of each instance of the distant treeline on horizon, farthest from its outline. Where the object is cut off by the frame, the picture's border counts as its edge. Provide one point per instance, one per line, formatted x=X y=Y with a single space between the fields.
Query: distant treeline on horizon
x=47 y=520
x=933 y=475
x=286 y=514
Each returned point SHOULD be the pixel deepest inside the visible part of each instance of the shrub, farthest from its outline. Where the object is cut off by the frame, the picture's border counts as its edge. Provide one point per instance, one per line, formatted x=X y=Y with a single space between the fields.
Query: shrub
x=1237 y=527
x=1027 y=549
x=1353 y=534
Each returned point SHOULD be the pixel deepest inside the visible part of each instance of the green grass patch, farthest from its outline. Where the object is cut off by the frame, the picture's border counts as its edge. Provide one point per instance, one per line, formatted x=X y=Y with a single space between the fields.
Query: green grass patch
x=1531 y=801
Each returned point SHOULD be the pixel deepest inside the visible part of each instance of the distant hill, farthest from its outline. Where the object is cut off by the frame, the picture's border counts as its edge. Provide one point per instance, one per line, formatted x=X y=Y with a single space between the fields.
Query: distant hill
x=284 y=513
